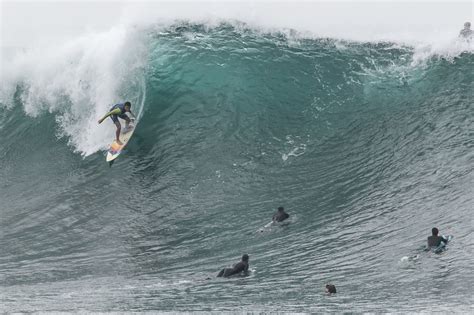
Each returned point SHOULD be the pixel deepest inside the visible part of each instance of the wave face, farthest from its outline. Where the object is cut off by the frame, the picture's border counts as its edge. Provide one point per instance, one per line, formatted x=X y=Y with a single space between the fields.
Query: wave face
x=366 y=145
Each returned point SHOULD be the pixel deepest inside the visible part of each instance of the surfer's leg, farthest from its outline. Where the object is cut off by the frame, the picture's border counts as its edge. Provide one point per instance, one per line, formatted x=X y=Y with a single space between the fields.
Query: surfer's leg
x=117 y=132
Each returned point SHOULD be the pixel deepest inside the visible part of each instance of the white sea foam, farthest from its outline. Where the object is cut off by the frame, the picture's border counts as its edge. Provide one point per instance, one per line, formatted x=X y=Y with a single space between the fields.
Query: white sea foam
x=409 y=22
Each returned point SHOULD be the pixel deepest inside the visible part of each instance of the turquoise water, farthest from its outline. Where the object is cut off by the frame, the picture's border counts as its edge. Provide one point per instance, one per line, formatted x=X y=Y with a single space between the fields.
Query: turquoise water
x=365 y=146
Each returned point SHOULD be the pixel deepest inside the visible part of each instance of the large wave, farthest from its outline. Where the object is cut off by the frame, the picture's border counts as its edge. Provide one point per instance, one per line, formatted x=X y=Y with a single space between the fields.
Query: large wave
x=79 y=80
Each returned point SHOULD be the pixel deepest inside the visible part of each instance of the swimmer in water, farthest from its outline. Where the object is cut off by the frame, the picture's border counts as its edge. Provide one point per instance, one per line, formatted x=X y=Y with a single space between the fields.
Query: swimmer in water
x=242 y=266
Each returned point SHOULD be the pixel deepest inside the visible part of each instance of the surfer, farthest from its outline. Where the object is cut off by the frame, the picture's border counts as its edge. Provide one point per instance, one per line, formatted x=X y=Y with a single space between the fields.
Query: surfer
x=280 y=215
x=119 y=110
x=466 y=32
x=242 y=266
x=330 y=288
x=434 y=240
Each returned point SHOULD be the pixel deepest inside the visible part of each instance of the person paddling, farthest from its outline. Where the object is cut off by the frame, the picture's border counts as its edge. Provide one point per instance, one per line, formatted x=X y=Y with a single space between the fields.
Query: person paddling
x=242 y=266
x=280 y=215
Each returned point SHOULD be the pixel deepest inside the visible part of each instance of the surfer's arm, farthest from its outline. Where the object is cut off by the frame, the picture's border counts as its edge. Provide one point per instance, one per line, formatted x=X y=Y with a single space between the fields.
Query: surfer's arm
x=133 y=115
x=116 y=111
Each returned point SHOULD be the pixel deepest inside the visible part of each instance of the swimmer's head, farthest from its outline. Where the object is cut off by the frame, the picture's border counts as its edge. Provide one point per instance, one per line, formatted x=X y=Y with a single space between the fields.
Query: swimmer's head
x=434 y=231
x=281 y=209
x=245 y=257
x=467 y=25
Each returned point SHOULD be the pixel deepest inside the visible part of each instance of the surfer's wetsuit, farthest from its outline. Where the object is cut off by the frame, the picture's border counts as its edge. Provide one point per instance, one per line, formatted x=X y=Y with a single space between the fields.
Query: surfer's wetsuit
x=243 y=265
x=280 y=216
x=118 y=110
x=435 y=240
x=238 y=268
x=330 y=288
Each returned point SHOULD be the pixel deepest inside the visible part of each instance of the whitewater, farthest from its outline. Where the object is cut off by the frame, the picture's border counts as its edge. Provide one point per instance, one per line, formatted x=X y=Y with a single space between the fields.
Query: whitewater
x=364 y=136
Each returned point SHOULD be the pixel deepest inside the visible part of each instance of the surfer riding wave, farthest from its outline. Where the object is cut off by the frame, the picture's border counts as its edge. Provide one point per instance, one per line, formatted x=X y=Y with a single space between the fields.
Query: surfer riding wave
x=119 y=111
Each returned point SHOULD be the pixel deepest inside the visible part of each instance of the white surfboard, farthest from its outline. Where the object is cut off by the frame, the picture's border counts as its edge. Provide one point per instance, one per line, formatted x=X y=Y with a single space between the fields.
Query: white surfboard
x=266 y=226
x=115 y=148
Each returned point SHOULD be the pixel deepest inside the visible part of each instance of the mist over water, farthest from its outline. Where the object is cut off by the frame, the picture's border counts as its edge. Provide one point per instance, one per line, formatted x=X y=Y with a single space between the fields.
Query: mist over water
x=396 y=21
x=366 y=142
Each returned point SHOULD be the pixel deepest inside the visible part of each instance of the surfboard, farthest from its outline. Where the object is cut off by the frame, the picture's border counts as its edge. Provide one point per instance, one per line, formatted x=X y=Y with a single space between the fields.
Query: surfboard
x=266 y=226
x=115 y=149
x=272 y=223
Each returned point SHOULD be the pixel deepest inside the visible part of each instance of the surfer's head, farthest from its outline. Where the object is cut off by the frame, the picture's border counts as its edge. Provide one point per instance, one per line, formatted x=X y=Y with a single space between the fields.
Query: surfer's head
x=127 y=105
x=245 y=257
x=281 y=209
x=467 y=25
x=434 y=231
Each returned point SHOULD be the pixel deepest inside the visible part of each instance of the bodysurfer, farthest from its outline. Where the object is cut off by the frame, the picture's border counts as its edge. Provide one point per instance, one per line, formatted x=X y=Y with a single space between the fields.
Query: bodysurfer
x=118 y=111
x=242 y=266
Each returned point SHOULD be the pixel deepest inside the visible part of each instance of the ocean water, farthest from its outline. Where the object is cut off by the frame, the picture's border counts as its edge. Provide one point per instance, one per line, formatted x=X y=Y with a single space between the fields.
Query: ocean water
x=367 y=145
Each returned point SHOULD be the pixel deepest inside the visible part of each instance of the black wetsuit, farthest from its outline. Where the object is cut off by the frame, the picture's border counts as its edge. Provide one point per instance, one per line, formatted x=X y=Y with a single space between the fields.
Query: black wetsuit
x=238 y=268
x=435 y=241
x=122 y=114
x=280 y=216
x=331 y=288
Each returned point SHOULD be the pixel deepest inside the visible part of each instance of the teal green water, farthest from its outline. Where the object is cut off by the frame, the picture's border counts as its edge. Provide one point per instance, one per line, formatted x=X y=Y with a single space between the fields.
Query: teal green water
x=366 y=149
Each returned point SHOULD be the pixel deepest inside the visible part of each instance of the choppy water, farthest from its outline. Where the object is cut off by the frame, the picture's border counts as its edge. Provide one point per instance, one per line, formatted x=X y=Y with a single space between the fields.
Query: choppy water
x=366 y=145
